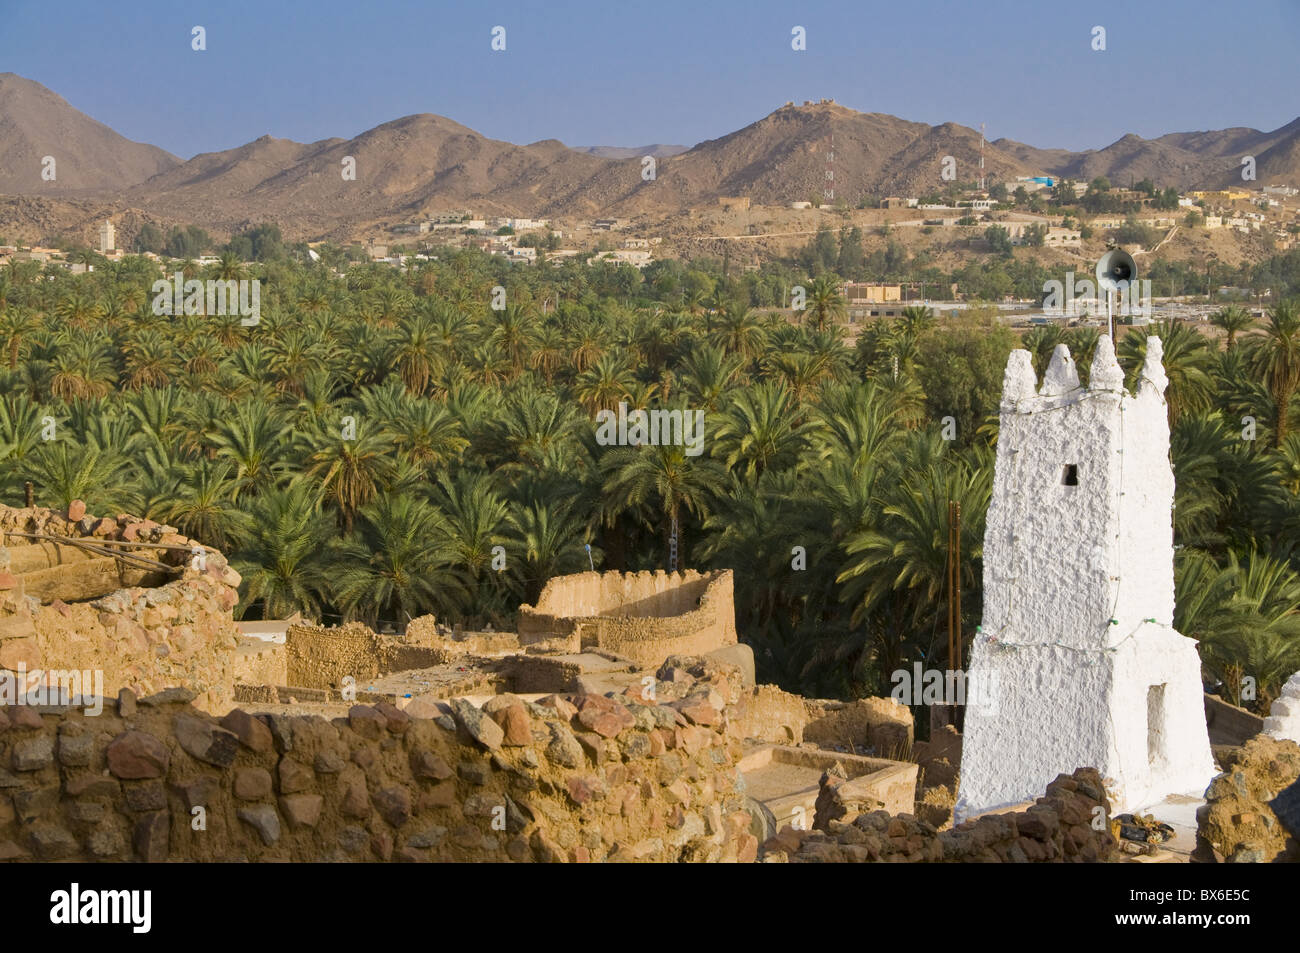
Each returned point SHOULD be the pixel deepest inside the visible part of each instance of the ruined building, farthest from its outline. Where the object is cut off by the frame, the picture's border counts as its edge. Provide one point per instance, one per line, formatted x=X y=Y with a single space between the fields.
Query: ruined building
x=1078 y=630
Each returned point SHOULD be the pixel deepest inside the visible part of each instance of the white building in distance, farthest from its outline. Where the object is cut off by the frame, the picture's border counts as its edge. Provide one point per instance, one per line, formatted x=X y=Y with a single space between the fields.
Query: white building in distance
x=107 y=237
x=1079 y=596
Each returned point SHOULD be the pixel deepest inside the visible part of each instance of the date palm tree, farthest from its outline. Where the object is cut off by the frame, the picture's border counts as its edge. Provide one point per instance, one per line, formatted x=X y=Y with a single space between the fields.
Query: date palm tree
x=1233 y=320
x=1187 y=362
x=62 y=472
x=1246 y=616
x=538 y=431
x=351 y=463
x=255 y=438
x=284 y=563
x=760 y=429
x=515 y=334
x=739 y=331
x=708 y=374
x=229 y=267
x=1279 y=363
x=826 y=306
x=898 y=563
x=78 y=307
x=664 y=481
x=608 y=381
x=202 y=506
x=400 y=565
x=550 y=535
x=16 y=323
x=417 y=351
x=83 y=367
x=427 y=435
x=150 y=360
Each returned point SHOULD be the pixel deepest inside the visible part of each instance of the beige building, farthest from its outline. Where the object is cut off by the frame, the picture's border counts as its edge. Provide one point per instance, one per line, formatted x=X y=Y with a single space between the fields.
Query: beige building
x=866 y=292
x=861 y=296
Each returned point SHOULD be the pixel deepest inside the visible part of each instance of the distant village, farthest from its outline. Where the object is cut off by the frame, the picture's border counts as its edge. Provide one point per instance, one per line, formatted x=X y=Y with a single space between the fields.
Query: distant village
x=1269 y=209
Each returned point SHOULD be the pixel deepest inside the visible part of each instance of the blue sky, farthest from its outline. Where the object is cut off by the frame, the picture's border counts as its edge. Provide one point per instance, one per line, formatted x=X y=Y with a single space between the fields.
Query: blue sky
x=625 y=73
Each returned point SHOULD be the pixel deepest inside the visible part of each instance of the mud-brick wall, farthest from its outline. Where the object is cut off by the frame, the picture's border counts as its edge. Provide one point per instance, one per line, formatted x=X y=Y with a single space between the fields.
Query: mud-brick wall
x=592 y=778
x=644 y=616
x=322 y=656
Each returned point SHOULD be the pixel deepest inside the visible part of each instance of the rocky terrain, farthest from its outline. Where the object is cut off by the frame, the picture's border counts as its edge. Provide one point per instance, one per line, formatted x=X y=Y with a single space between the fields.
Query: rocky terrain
x=420 y=164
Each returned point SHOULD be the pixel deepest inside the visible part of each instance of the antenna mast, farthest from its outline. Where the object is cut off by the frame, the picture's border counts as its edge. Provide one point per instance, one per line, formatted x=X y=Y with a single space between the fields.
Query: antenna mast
x=828 y=192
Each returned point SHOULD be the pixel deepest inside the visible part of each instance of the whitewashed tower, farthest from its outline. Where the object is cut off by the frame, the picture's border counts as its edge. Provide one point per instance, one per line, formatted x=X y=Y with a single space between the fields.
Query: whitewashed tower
x=1077 y=635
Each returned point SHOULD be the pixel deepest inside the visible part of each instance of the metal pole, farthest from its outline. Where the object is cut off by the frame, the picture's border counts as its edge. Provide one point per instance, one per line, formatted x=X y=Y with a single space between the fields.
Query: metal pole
x=956 y=578
x=950 y=588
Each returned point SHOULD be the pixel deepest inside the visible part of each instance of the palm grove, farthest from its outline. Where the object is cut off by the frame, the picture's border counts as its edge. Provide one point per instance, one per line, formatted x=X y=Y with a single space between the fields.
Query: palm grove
x=362 y=450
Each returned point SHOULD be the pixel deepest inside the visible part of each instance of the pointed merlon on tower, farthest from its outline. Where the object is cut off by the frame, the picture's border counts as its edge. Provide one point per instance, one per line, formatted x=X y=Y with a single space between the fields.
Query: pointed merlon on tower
x=1062 y=376
x=1019 y=380
x=1020 y=385
x=1106 y=374
x=1153 y=368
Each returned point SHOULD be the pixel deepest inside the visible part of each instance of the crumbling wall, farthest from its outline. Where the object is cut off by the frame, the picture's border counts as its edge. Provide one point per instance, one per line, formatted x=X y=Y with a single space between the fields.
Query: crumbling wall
x=322 y=656
x=643 y=616
x=877 y=726
x=451 y=644
x=1237 y=823
x=773 y=715
x=144 y=637
x=261 y=663
x=881 y=724
x=617 y=594
x=587 y=778
x=1059 y=828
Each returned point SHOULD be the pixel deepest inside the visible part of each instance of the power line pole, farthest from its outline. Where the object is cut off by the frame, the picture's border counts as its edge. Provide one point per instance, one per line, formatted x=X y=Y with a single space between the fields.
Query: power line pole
x=828 y=192
x=954 y=593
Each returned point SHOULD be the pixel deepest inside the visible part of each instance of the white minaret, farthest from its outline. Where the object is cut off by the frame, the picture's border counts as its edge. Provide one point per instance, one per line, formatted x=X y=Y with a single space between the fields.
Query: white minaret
x=107 y=237
x=1077 y=640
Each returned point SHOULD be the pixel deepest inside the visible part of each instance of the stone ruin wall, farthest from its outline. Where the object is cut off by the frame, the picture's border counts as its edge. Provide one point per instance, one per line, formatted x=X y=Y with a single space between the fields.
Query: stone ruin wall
x=1057 y=829
x=425 y=632
x=593 y=778
x=779 y=717
x=643 y=616
x=63 y=608
x=1237 y=823
x=322 y=656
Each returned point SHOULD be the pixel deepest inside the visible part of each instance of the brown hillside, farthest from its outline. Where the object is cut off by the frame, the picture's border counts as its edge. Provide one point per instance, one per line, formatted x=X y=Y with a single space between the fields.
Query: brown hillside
x=1186 y=160
x=408 y=166
x=35 y=122
x=425 y=163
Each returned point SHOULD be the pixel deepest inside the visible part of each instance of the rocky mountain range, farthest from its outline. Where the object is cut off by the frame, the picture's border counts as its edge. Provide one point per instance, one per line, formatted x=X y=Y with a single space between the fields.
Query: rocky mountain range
x=424 y=163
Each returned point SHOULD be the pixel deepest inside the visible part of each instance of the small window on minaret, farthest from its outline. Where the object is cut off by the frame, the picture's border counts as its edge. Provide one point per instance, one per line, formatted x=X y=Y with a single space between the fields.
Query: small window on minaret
x=1070 y=475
